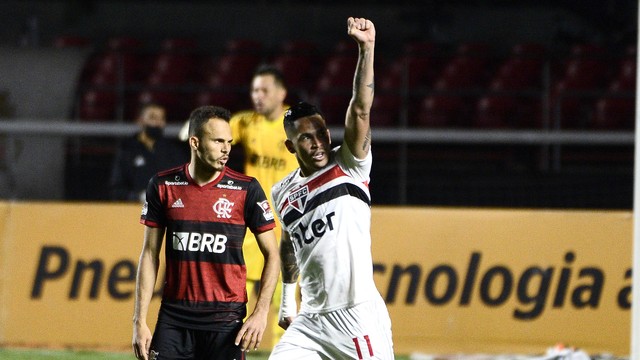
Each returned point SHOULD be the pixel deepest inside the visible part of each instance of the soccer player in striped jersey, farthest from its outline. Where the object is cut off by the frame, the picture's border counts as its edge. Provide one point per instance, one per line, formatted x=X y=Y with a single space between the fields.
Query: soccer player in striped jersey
x=205 y=209
x=325 y=210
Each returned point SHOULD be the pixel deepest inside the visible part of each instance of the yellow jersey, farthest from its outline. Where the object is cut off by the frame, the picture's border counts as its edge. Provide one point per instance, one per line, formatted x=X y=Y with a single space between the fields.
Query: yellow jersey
x=267 y=159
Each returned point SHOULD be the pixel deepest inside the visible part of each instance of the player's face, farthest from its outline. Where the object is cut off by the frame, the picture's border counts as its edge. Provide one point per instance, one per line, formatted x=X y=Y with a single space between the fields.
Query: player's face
x=214 y=146
x=153 y=116
x=311 y=142
x=267 y=96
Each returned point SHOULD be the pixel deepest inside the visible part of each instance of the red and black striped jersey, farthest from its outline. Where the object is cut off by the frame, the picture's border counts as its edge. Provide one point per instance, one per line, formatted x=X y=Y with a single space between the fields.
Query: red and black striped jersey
x=205 y=280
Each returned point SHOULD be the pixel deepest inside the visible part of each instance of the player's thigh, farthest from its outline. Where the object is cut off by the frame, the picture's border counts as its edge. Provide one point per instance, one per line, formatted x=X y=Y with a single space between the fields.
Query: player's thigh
x=171 y=343
x=360 y=332
x=299 y=340
x=217 y=345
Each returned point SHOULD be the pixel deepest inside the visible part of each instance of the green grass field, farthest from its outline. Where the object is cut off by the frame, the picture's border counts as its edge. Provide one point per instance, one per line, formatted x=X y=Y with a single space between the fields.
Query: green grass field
x=26 y=354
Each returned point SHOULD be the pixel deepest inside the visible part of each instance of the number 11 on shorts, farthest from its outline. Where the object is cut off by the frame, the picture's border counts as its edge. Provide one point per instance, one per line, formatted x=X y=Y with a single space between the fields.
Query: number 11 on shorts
x=356 y=342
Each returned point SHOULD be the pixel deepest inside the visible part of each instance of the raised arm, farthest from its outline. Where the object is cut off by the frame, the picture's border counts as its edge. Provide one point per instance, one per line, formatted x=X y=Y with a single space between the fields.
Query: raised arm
x=357 y=133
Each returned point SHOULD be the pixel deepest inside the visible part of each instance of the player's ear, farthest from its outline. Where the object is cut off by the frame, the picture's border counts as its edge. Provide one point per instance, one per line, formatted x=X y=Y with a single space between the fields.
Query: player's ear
x=289 y=144
x=193 y=142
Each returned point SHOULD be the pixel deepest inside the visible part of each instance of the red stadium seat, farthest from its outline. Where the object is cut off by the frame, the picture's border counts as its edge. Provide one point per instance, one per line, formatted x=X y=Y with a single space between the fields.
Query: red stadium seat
x=439 y=111
x=337 y=73
x=614 y=113
x=234 y=46
x=179 y=44
x=176 y=106
x=221 y=97
x=97 y=105
x=494 y=112
x=333 y=106
x=172 y=68
x=71 y=41
x=124 y=43
x=296 y=69
x=298 y=47
x=385 y=111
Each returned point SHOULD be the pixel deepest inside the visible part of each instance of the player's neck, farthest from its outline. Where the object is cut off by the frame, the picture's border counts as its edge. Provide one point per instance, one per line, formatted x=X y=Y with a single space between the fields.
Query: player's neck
x=203 y=175
x=276 y=114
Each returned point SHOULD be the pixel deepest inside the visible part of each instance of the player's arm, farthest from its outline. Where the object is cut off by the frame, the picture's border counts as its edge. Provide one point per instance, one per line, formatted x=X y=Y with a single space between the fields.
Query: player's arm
x=357 y=133
x=290 y=273
x=145 y=281
x=250 y=335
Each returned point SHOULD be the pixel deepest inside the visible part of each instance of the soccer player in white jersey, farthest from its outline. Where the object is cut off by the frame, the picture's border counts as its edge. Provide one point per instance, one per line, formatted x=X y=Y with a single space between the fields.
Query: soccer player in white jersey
x=325 y=210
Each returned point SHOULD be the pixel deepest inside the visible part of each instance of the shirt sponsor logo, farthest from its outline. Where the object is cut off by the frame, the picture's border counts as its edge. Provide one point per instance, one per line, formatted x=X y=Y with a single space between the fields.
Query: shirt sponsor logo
x=223 y=208
x=229 y=185
x=298 y=198
x=188 y=241
x=314 y=230
x=177 y=181
x=266 y=210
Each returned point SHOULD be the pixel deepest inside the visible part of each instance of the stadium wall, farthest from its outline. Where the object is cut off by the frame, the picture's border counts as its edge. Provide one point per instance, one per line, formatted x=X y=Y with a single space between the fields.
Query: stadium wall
x=455 y=280
x=41 y=85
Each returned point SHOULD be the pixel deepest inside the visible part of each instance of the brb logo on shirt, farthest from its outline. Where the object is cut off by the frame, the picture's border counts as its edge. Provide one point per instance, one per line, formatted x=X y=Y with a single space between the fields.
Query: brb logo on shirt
x=223 y=208
x=188 y=241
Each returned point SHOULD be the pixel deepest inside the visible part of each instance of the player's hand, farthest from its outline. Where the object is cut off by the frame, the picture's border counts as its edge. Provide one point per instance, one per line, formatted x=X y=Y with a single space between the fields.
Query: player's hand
x=141 y=341
x=361 y=30
x=251 y=332
x=285 y=322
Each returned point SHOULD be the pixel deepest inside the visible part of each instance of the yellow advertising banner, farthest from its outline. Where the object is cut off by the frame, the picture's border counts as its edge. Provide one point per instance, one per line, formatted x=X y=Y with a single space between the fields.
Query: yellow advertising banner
x=505 y=281
x=455 y=280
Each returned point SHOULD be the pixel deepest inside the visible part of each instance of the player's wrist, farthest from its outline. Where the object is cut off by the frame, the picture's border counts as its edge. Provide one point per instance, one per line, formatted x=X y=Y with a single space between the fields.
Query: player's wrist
x=288 y=304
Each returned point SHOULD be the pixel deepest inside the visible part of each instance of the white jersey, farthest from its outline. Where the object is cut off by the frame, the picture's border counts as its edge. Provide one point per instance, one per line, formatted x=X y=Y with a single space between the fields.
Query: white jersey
x=328 y=217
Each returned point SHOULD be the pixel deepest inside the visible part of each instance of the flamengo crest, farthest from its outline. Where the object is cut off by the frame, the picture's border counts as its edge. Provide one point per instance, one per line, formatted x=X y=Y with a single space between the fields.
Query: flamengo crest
x=223 y=208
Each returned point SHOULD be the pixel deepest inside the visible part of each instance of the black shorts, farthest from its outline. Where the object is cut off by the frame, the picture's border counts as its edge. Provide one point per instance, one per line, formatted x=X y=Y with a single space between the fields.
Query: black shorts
x=172 y=342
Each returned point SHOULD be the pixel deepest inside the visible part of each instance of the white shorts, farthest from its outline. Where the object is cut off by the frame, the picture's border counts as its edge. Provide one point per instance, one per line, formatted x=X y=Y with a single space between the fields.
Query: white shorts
x=359 y=332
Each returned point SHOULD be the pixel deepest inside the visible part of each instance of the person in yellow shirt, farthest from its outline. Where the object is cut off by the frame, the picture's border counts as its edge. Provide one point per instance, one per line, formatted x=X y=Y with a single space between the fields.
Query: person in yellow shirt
x=261 y=135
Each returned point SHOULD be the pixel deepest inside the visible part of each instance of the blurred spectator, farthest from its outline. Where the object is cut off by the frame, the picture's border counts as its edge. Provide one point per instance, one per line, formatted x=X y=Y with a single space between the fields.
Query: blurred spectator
x=139 y=157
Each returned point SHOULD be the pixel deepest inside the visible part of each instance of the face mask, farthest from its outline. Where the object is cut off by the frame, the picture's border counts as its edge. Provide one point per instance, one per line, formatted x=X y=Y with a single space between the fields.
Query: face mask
x=154 y=132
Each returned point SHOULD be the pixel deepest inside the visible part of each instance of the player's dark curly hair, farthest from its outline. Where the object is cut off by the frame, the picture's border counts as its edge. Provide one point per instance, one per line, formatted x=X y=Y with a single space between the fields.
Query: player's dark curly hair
x=299 y=110
x=201 y=115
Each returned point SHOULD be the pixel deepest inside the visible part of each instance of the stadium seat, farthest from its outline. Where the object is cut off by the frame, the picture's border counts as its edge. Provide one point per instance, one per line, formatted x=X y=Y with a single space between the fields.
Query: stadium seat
x=495 y=112
x=124 y=43
x=179 y=44
x=97 y=105
x=417 y=65
x=385 y=111
x=337 y=73
x=115 y=66
x=438 y=111
x=614 y=113
x=176 y=106
x=584 y=70
x=236 y=69
x=333 y=106
x=172 y=68
x=219 y=97
x=71 y=41
x=249 y=46
x=298 y=47
x=296 y=69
